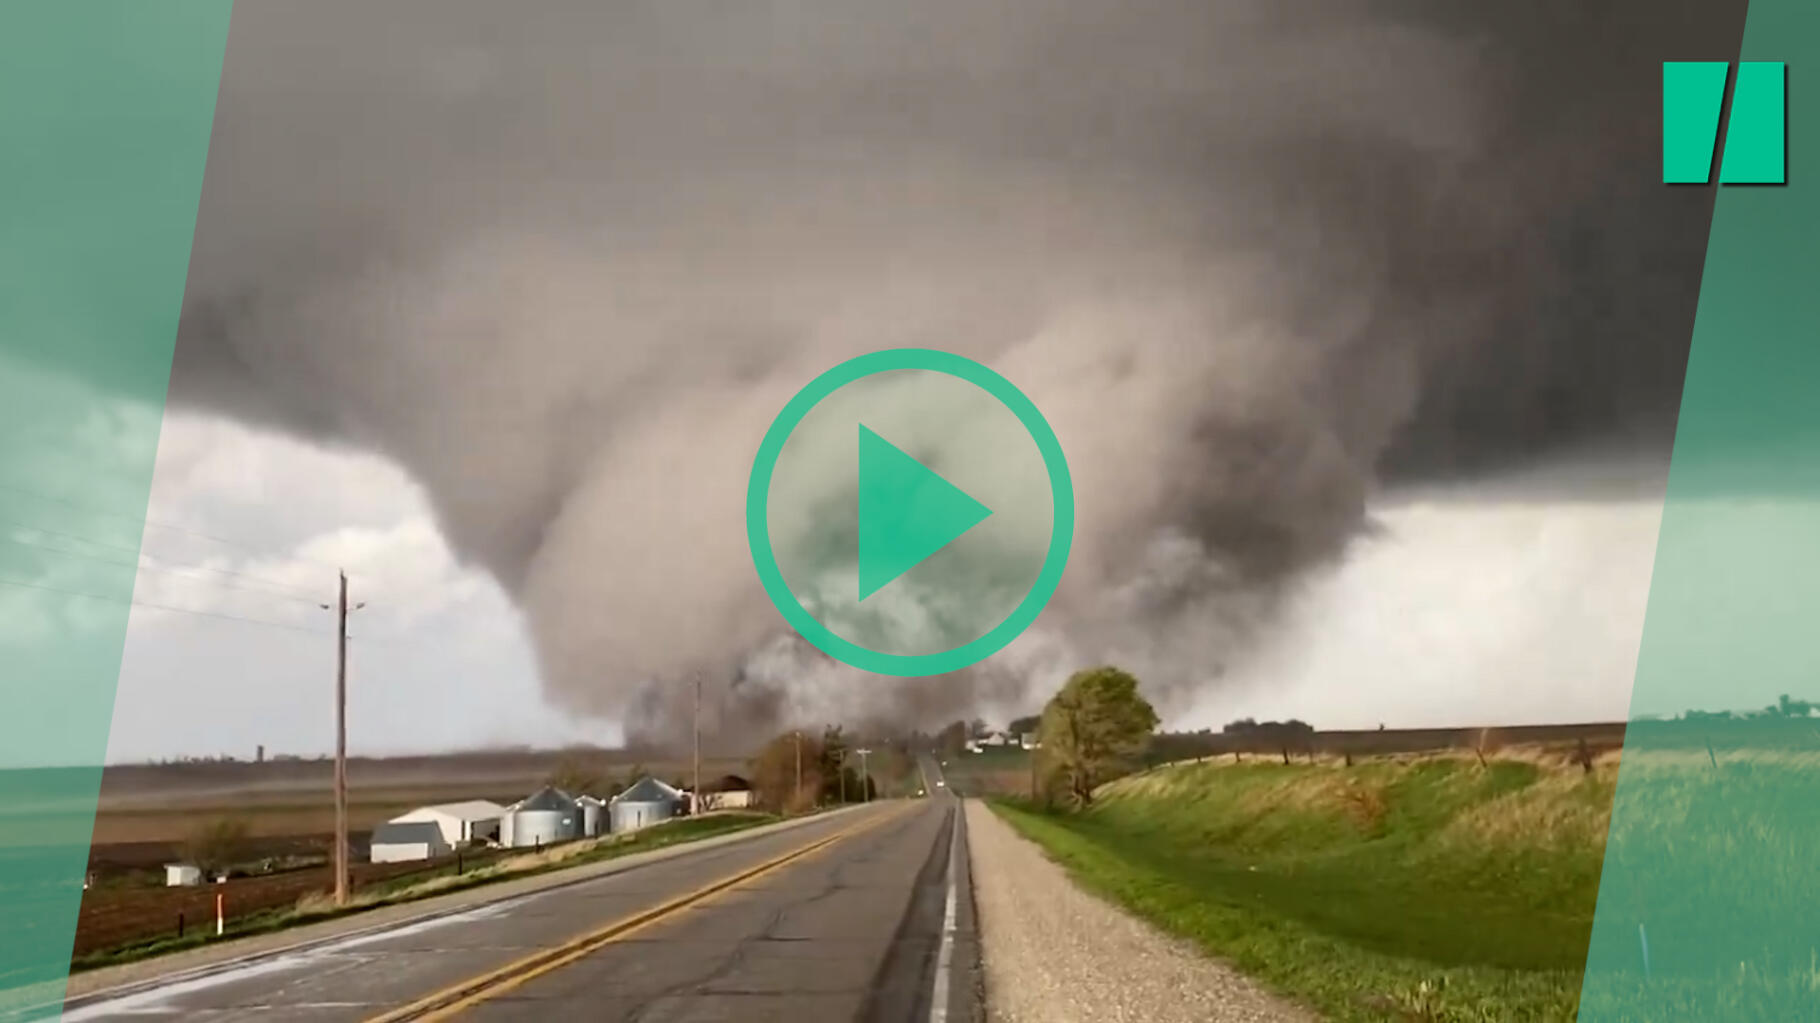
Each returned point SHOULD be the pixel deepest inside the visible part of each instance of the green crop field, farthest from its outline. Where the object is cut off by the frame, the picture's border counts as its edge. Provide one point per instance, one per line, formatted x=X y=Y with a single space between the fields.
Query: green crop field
x=1429 y=888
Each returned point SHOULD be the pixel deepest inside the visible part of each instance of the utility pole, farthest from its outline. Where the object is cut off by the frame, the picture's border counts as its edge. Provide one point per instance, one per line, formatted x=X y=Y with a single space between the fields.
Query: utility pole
x=865 y=776
x=341 y=740
x=799 y=765
x=341 y=745
x=695 y=803
x=841 y=766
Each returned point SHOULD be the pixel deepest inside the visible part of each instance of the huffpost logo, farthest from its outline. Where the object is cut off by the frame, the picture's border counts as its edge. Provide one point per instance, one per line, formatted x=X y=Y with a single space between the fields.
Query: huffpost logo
x=1694 y=98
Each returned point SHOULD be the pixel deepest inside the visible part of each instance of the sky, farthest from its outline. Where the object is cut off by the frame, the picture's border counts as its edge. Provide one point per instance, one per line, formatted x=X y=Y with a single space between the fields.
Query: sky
x=438 y=657
x=1362 y=325
x=1465 y=606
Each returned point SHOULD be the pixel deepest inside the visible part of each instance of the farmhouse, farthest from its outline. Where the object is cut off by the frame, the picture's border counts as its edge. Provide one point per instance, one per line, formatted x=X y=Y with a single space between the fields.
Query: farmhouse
x=475 y=820
x=728 y=792
x=399 y=842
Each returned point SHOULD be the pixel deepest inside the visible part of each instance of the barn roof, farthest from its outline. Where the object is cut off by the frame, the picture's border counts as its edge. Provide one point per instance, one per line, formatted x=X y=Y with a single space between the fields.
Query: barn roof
x=648 y=790
x=547 y=798
x=468 y=810
x=407 y=833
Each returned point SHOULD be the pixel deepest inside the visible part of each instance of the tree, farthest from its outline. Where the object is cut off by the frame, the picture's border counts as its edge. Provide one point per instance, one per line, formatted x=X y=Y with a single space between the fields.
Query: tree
x=214 y=845
x=1024 y=725
x=774 y=773
x=836 y=766
x=574 y=777
x=952 y=740
x=1093 y=727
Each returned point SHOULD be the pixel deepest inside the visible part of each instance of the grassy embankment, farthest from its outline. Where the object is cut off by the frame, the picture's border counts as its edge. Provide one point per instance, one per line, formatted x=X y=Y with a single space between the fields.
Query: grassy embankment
x=316 y=908
x=1431 y=888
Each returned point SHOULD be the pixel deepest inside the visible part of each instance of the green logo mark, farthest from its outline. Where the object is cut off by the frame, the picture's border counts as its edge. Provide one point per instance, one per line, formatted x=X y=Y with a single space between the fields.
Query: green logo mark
x=1694 y=97
x=907 y=512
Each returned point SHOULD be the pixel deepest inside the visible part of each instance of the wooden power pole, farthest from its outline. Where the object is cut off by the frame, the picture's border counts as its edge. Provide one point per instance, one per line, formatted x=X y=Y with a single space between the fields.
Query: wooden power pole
x=799 y=765
x=695 y=804
x=341 y=745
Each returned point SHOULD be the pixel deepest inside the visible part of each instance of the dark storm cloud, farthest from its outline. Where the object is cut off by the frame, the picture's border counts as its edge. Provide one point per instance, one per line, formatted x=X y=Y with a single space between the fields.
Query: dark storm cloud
x=1251 y=258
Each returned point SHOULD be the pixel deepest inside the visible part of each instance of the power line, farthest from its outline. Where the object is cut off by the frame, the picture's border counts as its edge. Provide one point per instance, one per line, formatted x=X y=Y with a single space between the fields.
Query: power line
x=160 y=607
x=150 y=522
x=169 y=571
x=296 y=594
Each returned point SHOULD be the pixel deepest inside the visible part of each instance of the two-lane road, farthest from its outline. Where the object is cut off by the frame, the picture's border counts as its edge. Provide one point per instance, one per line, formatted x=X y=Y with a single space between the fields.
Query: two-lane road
x=862 y=916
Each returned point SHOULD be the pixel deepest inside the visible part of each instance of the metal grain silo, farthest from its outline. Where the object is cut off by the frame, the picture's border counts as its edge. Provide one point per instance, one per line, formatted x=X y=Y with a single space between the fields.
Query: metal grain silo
x=644 y=804
x=594 y=816
x=547 y=816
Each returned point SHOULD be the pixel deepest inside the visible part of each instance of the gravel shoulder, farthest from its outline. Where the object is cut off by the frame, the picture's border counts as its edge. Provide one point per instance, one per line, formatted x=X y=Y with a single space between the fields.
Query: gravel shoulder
x=1055 y=954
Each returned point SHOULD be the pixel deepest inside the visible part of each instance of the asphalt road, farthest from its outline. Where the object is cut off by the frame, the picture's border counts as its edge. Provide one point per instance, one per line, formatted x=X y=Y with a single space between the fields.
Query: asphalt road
x=860 y=929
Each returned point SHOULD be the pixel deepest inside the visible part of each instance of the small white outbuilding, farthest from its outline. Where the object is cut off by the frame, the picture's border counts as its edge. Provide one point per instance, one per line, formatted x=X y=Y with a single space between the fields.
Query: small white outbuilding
x=182 y=875
x=460 y=823
x=395 y=842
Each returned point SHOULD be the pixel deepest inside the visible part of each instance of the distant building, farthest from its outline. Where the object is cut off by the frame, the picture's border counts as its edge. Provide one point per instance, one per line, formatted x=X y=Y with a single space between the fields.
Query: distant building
x=728 y=792
x=644 y=804
x=460 y=823
x=182 y=875
x=1029 y=741
x=549 y=815
x=403 y=841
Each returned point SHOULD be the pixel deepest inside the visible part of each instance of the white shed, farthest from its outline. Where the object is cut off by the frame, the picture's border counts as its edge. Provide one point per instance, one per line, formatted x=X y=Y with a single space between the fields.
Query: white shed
x=182 y=875
x=394 y=842
x=460 y=823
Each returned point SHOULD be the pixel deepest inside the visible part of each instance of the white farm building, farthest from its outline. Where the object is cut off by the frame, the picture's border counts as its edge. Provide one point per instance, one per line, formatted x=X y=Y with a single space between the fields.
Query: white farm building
x=399 y=842
x=460 y=823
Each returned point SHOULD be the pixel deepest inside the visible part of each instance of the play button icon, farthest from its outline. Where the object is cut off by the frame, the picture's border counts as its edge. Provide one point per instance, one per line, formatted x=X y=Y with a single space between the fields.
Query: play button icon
x=906 y=512
x=910 y=512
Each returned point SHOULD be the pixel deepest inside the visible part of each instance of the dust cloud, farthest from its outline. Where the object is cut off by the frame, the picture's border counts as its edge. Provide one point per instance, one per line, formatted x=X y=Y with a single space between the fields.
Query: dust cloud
x=1254 y=261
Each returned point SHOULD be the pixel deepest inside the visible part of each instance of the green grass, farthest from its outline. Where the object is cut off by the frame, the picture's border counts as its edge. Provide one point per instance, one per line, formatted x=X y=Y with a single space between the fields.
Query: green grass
x=1715 y=855
x=414 y=887
x=1434 y=889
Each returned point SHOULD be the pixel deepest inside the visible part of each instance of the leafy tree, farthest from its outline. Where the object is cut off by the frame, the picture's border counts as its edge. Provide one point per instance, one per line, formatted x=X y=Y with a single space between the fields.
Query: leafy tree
x=214 y=845
x=1094 y=726
x=952 y=740
x=1024 y=725
x=774 y=773
x=574 y=777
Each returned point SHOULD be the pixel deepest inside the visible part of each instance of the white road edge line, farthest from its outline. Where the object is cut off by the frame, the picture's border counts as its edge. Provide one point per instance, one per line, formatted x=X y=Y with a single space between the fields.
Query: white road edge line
x=938 y=1003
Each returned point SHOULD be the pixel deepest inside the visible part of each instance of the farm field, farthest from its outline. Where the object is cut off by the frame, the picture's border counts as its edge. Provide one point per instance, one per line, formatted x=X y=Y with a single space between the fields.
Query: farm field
x=148 y=813
x=1420 y=886
x=123 y=924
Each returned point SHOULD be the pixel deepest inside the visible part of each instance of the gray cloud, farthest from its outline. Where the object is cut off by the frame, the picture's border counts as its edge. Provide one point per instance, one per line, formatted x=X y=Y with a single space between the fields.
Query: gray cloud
x=1254 y=260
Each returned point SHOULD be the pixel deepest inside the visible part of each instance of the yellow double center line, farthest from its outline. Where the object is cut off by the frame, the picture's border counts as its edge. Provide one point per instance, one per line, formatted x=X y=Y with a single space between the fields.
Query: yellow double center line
x=456 y=998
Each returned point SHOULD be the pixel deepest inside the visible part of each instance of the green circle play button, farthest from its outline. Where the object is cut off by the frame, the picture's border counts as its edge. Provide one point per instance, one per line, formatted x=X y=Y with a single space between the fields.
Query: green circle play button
x=910 y=512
